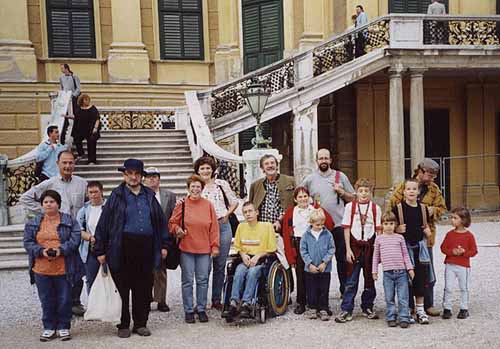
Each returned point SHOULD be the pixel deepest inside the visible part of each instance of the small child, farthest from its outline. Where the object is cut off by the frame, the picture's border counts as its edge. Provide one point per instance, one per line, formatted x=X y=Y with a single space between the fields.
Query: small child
x=390 y=250
x=361 y=223
x=412 y=219
x=458 y=246
x=317 y=249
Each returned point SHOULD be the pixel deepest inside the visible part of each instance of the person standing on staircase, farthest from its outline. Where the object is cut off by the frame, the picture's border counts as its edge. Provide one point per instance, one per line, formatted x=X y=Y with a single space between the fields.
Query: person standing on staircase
x=69 y=82
x=47 y=153
x=72 y=189
x=86 y=126
x=332 y=190
x=132 y=238
x=167 y=200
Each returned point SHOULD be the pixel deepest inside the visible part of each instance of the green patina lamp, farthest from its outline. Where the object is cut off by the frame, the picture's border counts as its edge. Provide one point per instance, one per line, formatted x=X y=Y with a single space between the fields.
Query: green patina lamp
x=256 y=95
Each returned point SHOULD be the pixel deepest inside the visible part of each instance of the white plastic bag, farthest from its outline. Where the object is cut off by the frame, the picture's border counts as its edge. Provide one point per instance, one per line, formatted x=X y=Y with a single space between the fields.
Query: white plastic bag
x=105 y=303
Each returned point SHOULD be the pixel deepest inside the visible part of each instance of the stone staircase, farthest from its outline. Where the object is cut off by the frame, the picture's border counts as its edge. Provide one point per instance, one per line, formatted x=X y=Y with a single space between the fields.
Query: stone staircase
x=168 y=150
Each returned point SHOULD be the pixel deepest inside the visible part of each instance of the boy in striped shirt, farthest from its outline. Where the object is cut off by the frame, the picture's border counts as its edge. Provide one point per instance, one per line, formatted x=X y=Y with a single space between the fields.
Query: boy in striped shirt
x=390 y=250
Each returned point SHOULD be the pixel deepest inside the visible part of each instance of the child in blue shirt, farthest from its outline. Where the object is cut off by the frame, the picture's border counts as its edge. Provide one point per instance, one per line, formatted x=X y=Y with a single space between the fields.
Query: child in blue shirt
x=317 y=249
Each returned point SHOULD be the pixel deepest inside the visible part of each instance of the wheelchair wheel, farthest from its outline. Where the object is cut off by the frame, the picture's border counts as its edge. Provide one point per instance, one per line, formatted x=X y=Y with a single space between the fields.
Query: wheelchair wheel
x=279 y=289
x=261 y=315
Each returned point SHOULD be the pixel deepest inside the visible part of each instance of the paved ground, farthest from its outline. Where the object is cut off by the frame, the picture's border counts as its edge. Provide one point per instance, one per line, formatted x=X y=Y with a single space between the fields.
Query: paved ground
x=20 y=323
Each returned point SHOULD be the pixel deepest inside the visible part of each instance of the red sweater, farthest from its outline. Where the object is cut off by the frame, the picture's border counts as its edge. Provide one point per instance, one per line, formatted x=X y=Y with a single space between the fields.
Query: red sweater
x=454 y=239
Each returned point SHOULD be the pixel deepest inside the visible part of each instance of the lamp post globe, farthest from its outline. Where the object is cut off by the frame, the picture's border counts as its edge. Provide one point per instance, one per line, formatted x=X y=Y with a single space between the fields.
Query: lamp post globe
x=256 y=96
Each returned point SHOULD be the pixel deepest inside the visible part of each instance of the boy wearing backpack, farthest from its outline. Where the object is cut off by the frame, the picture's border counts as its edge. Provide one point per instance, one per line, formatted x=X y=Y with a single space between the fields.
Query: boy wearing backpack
x=361 y=224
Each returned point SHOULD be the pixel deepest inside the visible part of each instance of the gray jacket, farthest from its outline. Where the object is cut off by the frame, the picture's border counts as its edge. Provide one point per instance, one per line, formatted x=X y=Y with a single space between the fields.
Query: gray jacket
x=168 y=200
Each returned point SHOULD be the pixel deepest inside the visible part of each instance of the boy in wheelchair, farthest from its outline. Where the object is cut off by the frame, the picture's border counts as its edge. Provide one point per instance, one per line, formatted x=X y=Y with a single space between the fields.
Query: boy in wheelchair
x=253 y=241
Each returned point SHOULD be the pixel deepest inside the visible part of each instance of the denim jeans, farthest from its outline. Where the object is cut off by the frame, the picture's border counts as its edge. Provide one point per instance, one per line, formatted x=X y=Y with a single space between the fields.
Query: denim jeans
x=462 y=274
x=396 y=283
x=351 y=289
x=219 y=262
x=55 y=295
x=91 y=270
x=429 y=289
x=76 y=292
x=251 y=276
x=194 y=265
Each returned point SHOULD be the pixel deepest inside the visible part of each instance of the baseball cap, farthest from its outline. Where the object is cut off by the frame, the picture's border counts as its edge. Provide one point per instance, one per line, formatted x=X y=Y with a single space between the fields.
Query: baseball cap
x=132 y=164
x=150 y=171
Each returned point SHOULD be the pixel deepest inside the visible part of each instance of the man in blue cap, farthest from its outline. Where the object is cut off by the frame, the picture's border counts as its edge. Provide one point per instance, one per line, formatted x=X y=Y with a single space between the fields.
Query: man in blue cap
x=131 y=237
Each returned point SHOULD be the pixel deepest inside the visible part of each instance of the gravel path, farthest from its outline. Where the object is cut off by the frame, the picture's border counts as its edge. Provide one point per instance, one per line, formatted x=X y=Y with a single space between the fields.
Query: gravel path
x=20 y=315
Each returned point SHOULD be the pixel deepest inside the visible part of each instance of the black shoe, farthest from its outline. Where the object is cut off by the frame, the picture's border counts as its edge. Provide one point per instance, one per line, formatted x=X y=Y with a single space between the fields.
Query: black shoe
x=189 y=318
x=404 y=324
x=163 y=307
x=391 y=323
x=245 y=311
x=78 y=310
x=123 y=332
x=142 y=331
x=299 y=309
x=463 y=314
x=202 y=316
x=446 y=314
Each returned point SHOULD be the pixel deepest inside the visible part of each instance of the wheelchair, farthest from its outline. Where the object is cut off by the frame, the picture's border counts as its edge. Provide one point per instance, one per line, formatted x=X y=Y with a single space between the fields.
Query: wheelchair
x=271 y=294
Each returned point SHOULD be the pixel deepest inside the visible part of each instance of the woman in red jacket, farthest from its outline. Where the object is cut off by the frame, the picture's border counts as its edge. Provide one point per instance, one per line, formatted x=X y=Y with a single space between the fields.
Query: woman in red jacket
x=295 y=224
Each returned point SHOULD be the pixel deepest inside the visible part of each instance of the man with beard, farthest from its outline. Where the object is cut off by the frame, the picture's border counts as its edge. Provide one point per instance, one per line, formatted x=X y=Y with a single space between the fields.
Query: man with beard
x=332 y=189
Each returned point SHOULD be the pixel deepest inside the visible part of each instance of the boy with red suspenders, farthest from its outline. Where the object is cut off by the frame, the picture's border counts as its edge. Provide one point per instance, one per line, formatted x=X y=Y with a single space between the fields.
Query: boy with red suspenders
x=361 y=224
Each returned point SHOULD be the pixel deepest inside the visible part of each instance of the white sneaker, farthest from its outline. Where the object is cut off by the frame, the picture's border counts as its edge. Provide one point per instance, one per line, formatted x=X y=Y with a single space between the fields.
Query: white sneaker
x=311 y=314
x=64 y=335
x=47 y=335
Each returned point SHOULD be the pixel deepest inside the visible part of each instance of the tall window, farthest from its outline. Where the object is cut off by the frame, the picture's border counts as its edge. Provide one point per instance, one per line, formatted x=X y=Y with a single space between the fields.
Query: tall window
x=70 y=26
x=412 y=6
x=181 y=29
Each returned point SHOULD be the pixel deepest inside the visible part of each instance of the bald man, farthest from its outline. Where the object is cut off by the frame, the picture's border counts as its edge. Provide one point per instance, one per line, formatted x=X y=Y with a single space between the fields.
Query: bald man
x=332 y=189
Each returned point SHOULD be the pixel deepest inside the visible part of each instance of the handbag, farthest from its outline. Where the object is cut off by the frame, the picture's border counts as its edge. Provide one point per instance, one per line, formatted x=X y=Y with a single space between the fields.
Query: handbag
x=105 y=303
x=174 y=254
x=233 y=220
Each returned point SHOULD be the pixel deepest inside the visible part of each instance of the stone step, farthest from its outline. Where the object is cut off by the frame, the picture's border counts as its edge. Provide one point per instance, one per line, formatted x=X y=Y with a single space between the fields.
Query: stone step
x=13 y=230
x=164 y=167
x=14 y=264
x=179 y=191
x=151 y=141
x=11 y=242
x=158 y=158
x=8 y=254
x=166 y=172
x=142 y=147
x=141 y=153
x=117 y=179
x=142 y=133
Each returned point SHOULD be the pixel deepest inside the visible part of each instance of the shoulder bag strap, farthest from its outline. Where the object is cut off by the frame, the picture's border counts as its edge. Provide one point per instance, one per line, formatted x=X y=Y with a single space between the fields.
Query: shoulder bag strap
x=424 y=214
x=182 y=215
x=226 y=201
x=400 y=214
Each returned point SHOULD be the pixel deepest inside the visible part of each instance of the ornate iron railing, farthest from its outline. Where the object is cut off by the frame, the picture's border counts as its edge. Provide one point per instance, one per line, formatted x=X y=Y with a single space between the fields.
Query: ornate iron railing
x=345 y=48
x=461 y=31
x=124 y=118
x=228 y=98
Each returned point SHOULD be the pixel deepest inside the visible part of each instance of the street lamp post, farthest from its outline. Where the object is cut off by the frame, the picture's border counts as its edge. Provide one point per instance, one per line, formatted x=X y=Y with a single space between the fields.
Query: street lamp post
x=256 y=96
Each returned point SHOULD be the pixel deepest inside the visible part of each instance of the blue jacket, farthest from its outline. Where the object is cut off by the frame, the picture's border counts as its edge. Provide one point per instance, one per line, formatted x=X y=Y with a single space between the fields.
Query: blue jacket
x=83 y=217
x=48 y=155
x=317 y=251
x=69 y=233
x=109 y=230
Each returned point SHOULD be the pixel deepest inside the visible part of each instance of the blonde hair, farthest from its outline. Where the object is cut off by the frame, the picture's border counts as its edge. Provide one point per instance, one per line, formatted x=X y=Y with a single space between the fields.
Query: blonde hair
x=317 y=215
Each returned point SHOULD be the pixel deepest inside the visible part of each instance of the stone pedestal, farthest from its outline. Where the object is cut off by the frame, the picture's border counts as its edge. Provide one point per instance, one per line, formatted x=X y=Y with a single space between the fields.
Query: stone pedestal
x=251 y=158
x=128 y=59
x=305 y=140
x=17 y=55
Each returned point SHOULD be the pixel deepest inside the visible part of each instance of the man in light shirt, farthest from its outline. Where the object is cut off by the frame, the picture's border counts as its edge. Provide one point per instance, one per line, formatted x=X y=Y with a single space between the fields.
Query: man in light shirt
x=166 y=198
x=436 y=8
x=47 y=153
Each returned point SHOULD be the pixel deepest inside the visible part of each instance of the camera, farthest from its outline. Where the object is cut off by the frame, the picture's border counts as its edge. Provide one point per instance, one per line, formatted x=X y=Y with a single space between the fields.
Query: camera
x=51 y=252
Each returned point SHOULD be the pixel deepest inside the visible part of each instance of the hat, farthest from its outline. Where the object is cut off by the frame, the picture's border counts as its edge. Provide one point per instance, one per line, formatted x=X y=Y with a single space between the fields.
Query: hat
x=132 y=164
x=429 y=165
x=151 y=171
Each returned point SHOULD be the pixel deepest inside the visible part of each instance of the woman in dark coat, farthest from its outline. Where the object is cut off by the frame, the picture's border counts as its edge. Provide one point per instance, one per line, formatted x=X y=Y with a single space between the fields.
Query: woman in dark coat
x=86 y=126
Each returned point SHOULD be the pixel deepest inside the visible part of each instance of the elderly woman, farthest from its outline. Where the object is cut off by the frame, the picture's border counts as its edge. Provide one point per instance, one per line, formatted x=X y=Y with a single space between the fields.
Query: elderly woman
x=429 y=195
x=195 y=223
x=295 y=224
x=86 y=126
x=51 y=241
x=219 y=193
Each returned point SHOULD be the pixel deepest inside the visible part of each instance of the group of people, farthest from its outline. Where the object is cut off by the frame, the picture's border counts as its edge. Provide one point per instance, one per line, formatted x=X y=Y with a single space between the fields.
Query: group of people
x=86 y=126
x=139 y=225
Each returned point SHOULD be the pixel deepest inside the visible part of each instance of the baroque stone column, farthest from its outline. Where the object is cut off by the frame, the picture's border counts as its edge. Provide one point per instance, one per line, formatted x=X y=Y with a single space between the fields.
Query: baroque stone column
x=227 y=58
x=17 y=55
x=314 y=30
x=396 y=125
x=305 y=139
x=128 y=59
x=417 y=124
